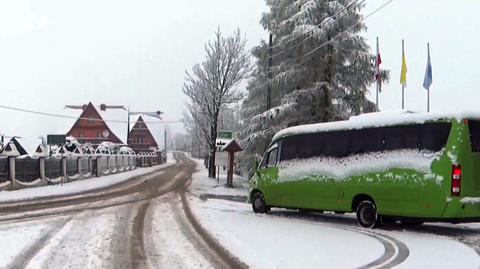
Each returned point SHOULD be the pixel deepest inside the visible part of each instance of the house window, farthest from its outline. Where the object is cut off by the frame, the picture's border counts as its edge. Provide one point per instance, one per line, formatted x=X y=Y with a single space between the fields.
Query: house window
x=81 y=134
x=91 y=120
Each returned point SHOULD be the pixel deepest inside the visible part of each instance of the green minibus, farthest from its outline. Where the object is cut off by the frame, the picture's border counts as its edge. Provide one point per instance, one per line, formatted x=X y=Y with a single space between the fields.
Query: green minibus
x=412 y=167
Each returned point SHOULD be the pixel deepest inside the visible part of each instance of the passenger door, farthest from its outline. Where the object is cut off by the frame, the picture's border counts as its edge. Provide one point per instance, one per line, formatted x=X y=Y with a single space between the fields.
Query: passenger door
x=269 y=176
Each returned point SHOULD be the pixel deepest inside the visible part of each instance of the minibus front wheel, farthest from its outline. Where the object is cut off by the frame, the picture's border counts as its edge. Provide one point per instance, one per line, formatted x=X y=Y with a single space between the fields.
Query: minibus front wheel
x=258 y=203
x=367 y=214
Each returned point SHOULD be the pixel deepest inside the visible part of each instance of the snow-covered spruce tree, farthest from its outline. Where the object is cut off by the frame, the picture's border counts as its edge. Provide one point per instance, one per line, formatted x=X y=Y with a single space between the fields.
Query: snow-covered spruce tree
x=212 y=85
x=322 y=67
x=255 y=133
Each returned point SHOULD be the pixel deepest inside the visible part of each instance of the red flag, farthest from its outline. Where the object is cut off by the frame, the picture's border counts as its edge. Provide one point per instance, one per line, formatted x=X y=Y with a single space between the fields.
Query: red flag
x=378 y=62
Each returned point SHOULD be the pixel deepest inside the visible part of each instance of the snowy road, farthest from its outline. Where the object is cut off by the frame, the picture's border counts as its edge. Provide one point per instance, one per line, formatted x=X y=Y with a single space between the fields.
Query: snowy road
x=158 y=221
x=139 y=224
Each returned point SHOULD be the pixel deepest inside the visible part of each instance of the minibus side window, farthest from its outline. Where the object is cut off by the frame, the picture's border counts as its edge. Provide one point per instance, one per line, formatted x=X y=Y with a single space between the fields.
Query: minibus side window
x=272 y=158
x=434 y=136
x=474 y=127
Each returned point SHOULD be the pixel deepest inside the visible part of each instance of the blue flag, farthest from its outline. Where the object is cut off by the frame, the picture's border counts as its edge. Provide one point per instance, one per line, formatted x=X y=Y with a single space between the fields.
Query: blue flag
x=427 y=81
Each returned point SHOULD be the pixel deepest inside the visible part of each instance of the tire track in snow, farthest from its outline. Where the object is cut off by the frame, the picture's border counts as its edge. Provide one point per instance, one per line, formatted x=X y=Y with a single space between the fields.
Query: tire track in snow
x=462 y=233
x=395 y=252
x=23 y=259
x=189 y=232
x=137 y=244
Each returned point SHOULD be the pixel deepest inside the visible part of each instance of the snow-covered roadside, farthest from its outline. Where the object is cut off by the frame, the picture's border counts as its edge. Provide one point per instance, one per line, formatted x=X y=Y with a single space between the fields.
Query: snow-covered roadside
x=429 y=251
x=202 y=184
x=263 y=241
x=80 y=186
x=278 y=241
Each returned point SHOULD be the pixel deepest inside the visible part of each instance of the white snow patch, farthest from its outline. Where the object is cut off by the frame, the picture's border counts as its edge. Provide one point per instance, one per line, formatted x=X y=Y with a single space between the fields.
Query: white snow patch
x=453 y=157
x=376 y=119
x=361 y=164
x=470 y=200
x=429 y=251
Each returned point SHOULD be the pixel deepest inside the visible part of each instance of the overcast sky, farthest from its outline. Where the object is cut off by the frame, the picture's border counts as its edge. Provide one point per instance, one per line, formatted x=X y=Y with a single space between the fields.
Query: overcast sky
x=135 y=52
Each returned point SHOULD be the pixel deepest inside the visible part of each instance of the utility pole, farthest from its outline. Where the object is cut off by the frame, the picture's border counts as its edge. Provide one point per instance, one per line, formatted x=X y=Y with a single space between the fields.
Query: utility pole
x=165 y=139
x=269 y=83
x=269 y=87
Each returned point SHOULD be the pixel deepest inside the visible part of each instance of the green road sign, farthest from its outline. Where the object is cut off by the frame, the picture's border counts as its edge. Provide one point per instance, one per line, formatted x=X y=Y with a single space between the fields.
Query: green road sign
x=225 y=135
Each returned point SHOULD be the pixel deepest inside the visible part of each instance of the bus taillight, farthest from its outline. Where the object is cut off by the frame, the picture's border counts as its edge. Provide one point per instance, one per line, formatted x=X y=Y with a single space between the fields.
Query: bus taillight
x=456 y=179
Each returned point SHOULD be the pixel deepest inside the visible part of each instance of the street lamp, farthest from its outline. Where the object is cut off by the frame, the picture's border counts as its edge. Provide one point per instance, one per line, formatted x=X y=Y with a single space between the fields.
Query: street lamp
x=156 y=114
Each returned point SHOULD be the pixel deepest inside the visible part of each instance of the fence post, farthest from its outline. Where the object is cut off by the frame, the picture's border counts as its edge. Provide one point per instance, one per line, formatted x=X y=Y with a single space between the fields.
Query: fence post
x=11 y=152
x=63 y=153
x=11 y=166
x=41 y=153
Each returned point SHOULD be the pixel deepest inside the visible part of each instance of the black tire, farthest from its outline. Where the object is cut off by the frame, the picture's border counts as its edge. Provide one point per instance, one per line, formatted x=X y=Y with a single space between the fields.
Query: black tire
x=258 y=203
x=367 y=214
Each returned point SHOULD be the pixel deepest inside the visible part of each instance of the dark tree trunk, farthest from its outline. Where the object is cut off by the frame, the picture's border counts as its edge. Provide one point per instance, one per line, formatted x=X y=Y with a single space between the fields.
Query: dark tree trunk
x=211 y=165
x=213 y=149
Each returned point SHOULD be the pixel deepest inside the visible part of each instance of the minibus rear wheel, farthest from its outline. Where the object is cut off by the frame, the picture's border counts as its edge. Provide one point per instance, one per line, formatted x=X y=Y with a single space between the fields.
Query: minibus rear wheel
x=367 y=214
x=258 y=203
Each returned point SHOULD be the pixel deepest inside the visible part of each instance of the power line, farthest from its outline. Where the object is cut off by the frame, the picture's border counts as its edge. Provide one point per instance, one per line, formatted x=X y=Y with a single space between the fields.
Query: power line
x=335 y=37
x=327 y=20
x=79 y=118
x=349 y=28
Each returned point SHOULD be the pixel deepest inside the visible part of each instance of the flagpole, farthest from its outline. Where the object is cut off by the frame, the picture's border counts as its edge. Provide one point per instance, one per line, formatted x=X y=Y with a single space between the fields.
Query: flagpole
x=428 y=90
x=378 y=80
x=403 y=86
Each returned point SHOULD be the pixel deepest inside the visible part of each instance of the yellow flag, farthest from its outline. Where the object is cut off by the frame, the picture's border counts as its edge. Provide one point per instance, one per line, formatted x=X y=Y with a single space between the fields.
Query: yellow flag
x=403 y=76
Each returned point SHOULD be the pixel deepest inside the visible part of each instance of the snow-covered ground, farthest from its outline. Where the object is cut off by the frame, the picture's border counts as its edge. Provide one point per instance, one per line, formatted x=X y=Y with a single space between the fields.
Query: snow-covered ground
x=285 y=239
x=205 y=185
x=79 y=186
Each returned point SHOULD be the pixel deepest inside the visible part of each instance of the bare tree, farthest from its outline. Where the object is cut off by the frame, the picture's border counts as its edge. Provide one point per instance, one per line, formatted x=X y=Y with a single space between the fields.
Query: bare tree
x=197 y=127
x=212 y=84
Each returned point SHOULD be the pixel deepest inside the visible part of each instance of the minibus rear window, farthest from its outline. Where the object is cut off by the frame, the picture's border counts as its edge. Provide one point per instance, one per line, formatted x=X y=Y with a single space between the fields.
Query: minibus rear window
x=474 y=127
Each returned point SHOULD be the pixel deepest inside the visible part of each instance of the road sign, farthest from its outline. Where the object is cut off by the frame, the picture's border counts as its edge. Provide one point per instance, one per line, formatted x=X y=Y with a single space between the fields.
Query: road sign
x=56 y=139
x=221 y=158
x=225 y=135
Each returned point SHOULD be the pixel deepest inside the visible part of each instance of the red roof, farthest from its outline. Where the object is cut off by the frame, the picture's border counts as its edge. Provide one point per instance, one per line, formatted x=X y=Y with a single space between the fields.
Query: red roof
x=91 y=127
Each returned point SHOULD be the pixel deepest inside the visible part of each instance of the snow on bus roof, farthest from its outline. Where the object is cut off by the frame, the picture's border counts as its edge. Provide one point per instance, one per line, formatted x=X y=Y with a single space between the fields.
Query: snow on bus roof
x=375 y=119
